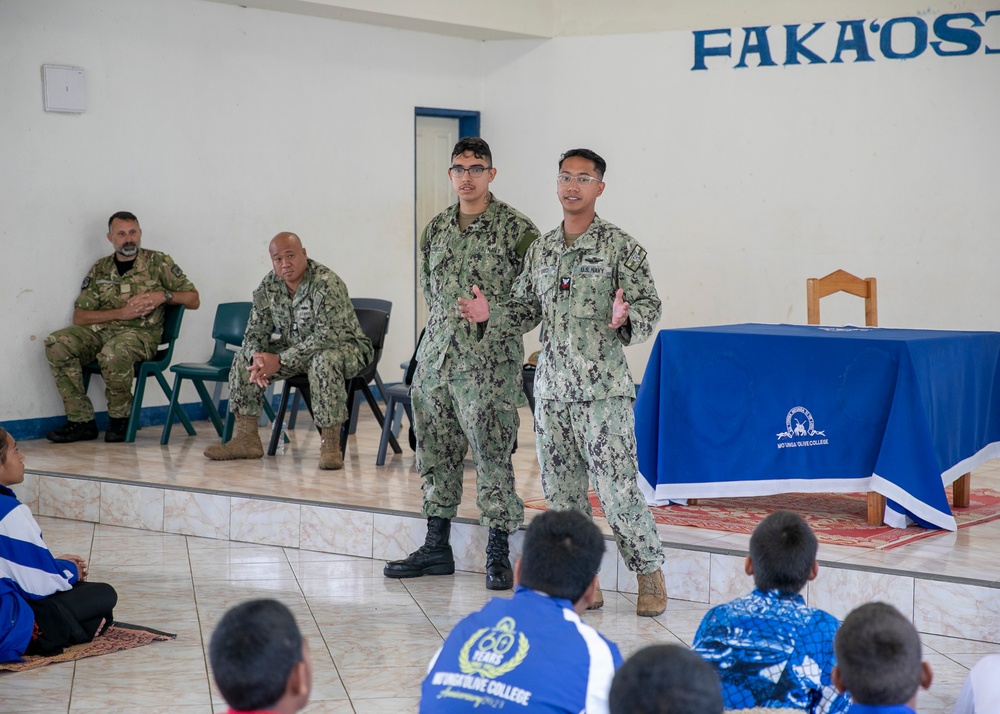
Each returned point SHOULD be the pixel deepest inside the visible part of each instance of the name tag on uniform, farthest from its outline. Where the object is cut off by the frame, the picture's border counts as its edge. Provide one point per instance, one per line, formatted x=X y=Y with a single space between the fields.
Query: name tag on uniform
x=126 y=288
x=593 y=270
x=564 y=283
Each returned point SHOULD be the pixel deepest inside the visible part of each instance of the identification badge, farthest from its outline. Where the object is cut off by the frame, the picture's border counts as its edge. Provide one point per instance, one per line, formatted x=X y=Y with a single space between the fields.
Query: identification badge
x=564 y=283
x=126 y=288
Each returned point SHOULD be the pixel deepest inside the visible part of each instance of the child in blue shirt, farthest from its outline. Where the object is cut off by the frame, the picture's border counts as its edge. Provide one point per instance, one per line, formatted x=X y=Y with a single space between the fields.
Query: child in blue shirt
x=878 y=661
x=770 y=648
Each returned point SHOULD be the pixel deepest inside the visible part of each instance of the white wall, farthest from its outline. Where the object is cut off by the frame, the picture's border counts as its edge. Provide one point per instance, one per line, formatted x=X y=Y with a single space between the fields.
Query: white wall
x=741 y=183
x=218 y=126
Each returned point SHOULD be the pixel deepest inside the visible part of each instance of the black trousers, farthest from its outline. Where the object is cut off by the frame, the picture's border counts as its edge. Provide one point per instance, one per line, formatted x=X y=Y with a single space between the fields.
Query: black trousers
x=71 y=617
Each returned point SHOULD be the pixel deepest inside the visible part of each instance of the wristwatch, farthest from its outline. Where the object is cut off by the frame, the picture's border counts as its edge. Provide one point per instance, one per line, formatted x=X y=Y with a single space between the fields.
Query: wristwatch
x=168 y=297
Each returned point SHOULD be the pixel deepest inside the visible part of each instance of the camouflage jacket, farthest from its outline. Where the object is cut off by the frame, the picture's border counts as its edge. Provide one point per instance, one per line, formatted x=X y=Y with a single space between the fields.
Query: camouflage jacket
x=151 y=271
x=571 y=290
x=319 y=316
x=488 y=253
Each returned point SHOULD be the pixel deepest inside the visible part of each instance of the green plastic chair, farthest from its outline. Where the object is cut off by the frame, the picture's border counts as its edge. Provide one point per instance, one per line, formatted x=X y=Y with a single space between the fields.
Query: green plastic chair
x=230 y=324
x=150 y=368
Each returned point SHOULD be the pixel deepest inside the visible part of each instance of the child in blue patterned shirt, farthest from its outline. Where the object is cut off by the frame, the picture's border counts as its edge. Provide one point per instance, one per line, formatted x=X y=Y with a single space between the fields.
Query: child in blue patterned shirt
x=770 y=648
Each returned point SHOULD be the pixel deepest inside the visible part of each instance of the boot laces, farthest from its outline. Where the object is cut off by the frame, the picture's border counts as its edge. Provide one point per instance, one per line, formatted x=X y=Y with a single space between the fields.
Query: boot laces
x=649 y=584
x=498 y=546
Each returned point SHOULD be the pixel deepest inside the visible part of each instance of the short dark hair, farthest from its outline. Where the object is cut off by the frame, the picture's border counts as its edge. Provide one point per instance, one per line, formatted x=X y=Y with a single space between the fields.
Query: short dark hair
x=122 y=216
x=878 y=655
x=600 y=165
x=783 y=552
x=666 y=679
x=561 y=555
x=479 y=148
x=253 y=651
x=3 y=446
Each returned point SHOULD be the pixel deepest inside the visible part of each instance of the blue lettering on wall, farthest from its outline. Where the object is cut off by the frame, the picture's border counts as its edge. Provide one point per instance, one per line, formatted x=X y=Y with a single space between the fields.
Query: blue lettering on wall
x=795 y=45
x=954 y=35
x=919 y=38
x=858 y=43
x=967 y=37
x=992 y=50
x=701 y=52
x=761 y=47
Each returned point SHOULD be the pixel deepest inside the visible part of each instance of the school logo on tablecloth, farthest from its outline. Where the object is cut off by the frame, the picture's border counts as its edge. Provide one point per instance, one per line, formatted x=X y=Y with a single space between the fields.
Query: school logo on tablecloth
x=800 y=430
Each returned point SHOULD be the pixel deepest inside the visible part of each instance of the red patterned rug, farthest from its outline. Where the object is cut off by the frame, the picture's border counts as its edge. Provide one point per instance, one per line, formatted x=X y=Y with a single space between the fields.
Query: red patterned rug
x=836 y=518
x=120 y=636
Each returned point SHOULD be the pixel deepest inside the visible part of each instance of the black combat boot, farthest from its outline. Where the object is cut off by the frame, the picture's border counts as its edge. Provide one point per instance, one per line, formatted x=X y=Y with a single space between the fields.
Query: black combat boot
x=73 y=431
x=434 y=557
x=117 y=428
x=499 y=575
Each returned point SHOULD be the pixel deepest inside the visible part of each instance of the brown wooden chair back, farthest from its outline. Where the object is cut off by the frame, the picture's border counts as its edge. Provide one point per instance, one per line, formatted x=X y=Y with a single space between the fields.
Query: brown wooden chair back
x=837 y=281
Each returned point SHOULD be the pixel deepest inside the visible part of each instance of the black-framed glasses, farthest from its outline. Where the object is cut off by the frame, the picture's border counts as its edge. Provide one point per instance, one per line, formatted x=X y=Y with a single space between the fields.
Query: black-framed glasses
x=566 y=180
x=474 y=171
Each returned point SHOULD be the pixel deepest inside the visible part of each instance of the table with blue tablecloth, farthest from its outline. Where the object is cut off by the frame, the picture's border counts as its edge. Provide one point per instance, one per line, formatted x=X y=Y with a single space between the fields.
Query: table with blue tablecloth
x=749 y=410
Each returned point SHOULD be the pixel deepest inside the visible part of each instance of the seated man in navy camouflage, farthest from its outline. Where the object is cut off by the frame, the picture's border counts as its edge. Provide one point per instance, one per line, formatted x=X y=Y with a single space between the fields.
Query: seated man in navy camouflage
x=769 y=648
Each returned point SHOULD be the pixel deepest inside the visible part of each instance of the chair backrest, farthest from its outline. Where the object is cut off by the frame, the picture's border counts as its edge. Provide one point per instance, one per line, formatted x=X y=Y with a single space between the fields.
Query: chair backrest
x=375 y=325
x=172 y=316
x=231 y=322
x=837 y=281
x=373 y=303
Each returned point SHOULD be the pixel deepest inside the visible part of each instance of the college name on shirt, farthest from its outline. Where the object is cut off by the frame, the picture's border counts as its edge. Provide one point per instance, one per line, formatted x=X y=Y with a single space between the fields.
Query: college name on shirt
x=487 y=655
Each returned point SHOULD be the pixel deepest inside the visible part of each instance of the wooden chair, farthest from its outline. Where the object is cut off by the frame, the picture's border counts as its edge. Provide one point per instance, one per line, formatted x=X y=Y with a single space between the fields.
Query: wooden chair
x=842 y=281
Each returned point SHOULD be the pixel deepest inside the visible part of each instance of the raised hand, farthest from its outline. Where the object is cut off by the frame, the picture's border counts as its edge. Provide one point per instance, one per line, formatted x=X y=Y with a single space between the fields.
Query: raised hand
x=619 y=311
x=477 y=309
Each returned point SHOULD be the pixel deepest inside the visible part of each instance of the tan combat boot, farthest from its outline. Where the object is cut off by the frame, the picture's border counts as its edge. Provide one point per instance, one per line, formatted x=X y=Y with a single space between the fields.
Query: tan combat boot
x=652 y=594
x=330 y=458
x=598 y=602
x=245 y=443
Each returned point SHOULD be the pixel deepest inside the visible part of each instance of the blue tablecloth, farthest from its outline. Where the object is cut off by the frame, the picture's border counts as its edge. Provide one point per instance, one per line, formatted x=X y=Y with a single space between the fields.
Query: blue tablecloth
x=746 y=410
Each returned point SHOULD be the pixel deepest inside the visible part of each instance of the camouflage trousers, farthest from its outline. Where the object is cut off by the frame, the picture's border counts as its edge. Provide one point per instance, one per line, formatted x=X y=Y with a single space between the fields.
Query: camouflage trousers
x=583 y=442
x=117 y=351
x=328 y=371
x=476 y=408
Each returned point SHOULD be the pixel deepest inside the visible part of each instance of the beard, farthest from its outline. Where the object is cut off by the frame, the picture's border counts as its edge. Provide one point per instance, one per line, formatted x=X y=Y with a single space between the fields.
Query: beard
x=129 y=250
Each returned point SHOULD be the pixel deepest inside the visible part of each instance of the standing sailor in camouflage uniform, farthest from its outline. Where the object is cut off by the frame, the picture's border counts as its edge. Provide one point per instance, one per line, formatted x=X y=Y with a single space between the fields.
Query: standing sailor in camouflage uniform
x=467 y=388
x=318 y=334
x=117 y=320
x=575 y=279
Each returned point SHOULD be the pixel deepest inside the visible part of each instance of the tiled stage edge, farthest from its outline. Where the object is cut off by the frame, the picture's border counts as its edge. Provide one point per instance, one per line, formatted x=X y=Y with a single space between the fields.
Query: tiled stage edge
x=955 y=608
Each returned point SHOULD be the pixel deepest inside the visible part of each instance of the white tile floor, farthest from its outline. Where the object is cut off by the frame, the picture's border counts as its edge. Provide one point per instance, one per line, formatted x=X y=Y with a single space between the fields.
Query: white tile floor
x=370 y=637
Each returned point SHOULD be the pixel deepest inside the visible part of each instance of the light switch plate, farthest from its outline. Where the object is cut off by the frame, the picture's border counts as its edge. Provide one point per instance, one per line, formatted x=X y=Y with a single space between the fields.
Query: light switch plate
x=65 y=88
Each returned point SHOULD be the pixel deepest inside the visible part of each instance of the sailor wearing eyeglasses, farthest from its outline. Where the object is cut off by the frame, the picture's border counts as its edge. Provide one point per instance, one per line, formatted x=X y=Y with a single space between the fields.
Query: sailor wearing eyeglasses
x=590 y=285
x=467 y=386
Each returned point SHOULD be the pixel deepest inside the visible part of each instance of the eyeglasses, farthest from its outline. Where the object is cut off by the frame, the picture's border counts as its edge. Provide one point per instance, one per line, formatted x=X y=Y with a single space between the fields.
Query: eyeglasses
x=474 y=171
x=564 y=180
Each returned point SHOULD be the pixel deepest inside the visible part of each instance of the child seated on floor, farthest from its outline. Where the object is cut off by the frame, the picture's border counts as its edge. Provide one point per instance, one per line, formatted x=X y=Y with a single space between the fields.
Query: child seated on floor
x=260 y=661
x=46 y=602
x=665 y=679
x=878 y=661
x=769 y=648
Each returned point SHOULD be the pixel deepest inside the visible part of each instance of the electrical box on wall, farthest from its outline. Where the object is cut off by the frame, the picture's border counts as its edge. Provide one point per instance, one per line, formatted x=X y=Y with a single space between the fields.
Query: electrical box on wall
x=65 y=88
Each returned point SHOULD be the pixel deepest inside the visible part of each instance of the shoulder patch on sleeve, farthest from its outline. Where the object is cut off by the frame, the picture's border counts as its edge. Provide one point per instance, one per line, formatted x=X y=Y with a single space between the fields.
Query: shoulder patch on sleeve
x=636 y=258
x=86 y=282
x=176 y=270
x=526 y=240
